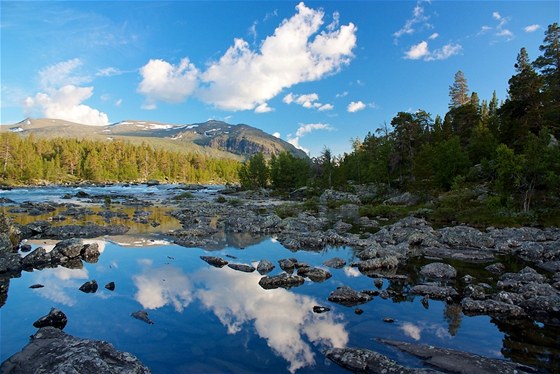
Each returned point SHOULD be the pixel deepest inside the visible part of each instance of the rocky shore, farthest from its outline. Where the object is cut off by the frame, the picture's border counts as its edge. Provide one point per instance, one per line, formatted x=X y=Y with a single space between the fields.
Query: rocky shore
x=382 y=251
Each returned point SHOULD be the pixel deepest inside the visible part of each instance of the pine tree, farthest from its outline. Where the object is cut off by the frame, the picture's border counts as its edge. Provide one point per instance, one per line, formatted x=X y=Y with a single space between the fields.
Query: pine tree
x=459 y=91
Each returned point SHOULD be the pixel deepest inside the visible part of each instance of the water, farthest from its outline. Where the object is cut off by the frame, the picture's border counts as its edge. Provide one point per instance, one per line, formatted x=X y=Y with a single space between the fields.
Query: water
x=210 y=319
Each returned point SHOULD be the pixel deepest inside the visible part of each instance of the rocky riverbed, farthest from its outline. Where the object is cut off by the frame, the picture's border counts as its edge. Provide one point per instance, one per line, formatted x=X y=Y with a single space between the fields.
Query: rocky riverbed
x=509 y=274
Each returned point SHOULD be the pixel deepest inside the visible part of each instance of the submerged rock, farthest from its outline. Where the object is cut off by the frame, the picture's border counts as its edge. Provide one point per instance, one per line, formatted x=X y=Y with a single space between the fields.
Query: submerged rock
x=56 y=318
x=142 y=315
x=53 y=351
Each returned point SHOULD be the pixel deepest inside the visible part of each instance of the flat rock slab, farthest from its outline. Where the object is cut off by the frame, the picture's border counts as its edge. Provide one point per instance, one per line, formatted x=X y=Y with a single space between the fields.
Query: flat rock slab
x=347 y=296
x=53 y=351
x=453 y=361
x=282 y=280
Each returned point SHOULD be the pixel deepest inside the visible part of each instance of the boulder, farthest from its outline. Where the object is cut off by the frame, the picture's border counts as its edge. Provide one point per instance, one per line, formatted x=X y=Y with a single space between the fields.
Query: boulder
x=347 y=296
x=465 y=237
x=214 y=261
x=90 y=253
x=242 y=267
x=435 y=291
x=314 y=274
x=89 y=287
x=386 y=262
x=10 y=263
x=473 y=307
x=37 y=259
x=287 y=264
x=438 y=270
x=335 y=263
x=142 y=315
x=56 y=318
x=53 y=351
x=110 y=286
x=265 y=267
x=282 y=280
x=67 y=249
x=406 y=199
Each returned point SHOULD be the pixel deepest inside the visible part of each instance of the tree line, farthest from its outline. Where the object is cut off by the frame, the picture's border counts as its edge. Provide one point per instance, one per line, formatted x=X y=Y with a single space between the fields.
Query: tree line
x=27 y=160
x=510 y=147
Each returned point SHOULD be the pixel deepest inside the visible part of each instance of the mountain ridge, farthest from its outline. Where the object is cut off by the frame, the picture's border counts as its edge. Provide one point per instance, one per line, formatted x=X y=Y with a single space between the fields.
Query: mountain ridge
x=211 y=138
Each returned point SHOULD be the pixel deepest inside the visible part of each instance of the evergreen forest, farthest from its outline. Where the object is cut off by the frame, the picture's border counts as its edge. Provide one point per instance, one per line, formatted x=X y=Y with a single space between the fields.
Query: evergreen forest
x=484 y=162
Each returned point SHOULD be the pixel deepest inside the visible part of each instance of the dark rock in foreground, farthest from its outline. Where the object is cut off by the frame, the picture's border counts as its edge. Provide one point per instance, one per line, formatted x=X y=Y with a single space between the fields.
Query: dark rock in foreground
x=452 y=361
x=53 y=351
x=89 y=287
x=56 y=318
x=348 y=297
x=282 y=280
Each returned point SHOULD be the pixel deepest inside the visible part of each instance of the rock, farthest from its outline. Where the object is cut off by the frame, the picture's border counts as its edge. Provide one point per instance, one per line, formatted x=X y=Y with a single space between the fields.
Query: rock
x=513 y=281
x=475 y=291
x=406 y=199
x=242 y=267
x=338 y=196
x=438 y=270
x=53 y=351
x=265 y=267
x=152 y=182
x=25 y=248
x=56 y=318
x=315 y=274
x=82 y=194
x=358 y=311
x=214 y=261
x=142 y=315
x=282 y=280
x=346 y=296
x=287 y=264
x=426 y=302
x=89 y=287
x=110 y=286
x=497 y=268
x=434 y=291
x=342 y=227
x=320 y=309
x=386 y=262
x=490 y=307
x=366 y=361
x=335 y=263
x=378 y=282
x=462 y=254
x=69 y=248
x=465 y=237
x=37 y=259
x=37 y=285
x=10 y=263
x=90 y=253
x=453 y=361
x=388 y=320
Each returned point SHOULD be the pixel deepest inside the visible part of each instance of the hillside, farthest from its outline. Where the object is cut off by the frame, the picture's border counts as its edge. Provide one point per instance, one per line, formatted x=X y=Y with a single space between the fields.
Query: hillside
x=212 y=138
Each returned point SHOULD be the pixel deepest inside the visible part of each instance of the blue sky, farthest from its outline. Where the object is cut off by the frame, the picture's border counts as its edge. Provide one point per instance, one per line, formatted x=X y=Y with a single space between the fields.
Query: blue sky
x=315 y=73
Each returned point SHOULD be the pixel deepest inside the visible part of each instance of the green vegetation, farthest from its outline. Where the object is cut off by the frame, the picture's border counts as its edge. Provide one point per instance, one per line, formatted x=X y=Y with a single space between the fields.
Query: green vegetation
x=508 y=150
x=29 y=161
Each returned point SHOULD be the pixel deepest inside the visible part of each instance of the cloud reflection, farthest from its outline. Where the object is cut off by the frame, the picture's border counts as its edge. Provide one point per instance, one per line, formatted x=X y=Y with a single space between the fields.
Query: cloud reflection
x=280 y=316
x=161 y=286
x=60 y=292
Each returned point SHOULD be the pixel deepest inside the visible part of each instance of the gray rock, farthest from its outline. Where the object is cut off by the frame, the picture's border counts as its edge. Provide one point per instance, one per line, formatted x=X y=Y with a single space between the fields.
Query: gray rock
x=438 y=270
x=342 y=227
x=338 y=196
x=214 y=261
x=359 y=360
x=406 y=199
x=465 y=237
x=335 y=263
x=265 y=267
x=513 y=281
x=453 y=361
x=475 y=291
x=491 y=307
x=314 y=274
x=242 y=267
x=386 y=262
x=56 y=318
x=347 y=296
x=81 y=231
x=10 y=263
x=37 y=259
x=287 y=264
x=497 y=268
x=90 y=253
x=462 y=254
x=142 y=315
x=282 y=280
x=53 y=351
x=434 y=291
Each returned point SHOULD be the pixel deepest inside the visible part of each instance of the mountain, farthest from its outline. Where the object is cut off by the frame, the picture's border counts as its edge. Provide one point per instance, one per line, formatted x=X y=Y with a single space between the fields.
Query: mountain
x=211 y=138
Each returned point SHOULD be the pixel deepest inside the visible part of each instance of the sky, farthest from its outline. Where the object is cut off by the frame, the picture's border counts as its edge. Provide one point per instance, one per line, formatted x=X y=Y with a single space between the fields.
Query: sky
x=316 y=74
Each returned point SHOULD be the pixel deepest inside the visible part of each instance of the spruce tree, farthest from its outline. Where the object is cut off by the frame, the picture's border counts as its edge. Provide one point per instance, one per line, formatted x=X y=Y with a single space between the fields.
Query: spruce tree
x=459 y=91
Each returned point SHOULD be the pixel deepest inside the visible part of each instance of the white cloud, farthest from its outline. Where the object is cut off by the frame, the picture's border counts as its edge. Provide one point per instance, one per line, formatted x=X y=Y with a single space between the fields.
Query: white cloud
x=161 y=286
x=418 y=18
x=411 y=330
x=62 y=74
x=422 y=51
x=276 y=135
x=108 y=72
x=496 y=15
x=118 y=103
x=162 y=81
x=304 y=129
x=532 y=28
x=500 y=29
x=298 y=51
x=435 y=35
x=263 y=108
x=325 y=107
x=309 y=101
x=355 y=106
x=342 y=94
x=66 y=103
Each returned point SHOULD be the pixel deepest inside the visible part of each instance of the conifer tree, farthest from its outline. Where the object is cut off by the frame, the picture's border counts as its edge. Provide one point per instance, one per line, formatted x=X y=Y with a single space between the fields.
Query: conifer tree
x=458 y=91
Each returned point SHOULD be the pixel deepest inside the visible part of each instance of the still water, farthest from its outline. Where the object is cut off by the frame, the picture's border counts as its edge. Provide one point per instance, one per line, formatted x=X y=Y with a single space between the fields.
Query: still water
x=219 y=319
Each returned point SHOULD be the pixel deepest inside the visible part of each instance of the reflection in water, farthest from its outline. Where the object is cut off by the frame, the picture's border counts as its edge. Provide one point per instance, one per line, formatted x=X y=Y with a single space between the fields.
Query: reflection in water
x=280 y=316
x=60 y=292
x=411 y=330
x=352 y=272
x=415 y=331
x=161 y=286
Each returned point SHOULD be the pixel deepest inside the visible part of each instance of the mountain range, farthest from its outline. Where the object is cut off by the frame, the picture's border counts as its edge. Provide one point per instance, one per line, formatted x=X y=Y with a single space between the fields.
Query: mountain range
x=212 y=138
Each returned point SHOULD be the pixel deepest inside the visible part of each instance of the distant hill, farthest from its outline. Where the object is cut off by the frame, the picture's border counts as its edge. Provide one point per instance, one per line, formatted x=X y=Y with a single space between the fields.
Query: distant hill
x=212 y=138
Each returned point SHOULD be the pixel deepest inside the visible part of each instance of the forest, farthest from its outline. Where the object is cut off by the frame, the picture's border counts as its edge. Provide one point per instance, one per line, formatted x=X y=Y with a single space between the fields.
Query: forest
x=27 y=160
x=484 y=161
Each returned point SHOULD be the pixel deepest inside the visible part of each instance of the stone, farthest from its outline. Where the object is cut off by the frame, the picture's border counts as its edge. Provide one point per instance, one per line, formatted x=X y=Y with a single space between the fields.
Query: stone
x=110 y=286
x=56 y=318
x=314 y=274
x=335 y=263
x=320 y=309
x=387 y=262
x=287 y=264
x=265 y=267
x=473 y=307
x=142 y=315
x=435 y=291
x=497 y=268
x=242 y=267
x=89 y=287
x=68 y=248
x=10 y=263
x=36 y=285
x=90 y=253
x=282 y=280
x=347 y=296
x=406 y=199
x=53 y=351
x=438 y=270
x=37 y=259
x=214 y=261
x=465 y=237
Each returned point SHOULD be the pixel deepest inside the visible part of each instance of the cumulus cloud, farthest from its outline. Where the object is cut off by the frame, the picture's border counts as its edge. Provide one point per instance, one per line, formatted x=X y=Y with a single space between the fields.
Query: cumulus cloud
x=355 y=106
x=532 y=28
x=263 y=108
x=411 y=25
x=244 y=78
x=162 y=81
x=276 y=135
x=500 y=30
x=422 y=51
x=161 y=286
x=66 y=103
x=62 y=97
x=434 y=36
x=309 y=101
x=304 y=129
